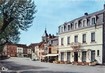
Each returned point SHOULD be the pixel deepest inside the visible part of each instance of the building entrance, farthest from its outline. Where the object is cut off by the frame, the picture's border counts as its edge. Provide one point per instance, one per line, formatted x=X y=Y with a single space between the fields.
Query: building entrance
x=76 y=56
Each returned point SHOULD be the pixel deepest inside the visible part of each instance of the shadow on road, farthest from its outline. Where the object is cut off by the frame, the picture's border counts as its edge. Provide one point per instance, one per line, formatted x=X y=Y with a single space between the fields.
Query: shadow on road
x=46 y=72
x=13 y=66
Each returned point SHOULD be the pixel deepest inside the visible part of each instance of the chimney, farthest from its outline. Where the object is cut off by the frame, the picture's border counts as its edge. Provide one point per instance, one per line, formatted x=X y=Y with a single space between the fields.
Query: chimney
x=104 y=6
x=86 y=14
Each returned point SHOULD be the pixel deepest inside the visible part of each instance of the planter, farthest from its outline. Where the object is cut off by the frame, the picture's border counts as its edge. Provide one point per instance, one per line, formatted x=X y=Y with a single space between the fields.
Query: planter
x=56 y=62
x=67 y=62
x=92 y=63
x=61 y=62
x=79 y=63
x=83 y=63
x=74 y=63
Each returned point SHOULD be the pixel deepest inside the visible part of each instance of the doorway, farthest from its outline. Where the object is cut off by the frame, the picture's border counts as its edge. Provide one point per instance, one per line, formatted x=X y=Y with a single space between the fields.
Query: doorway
x=68 y=56
x=93 y=55
x=84 y=56
x=62 y=56
x=76 y=56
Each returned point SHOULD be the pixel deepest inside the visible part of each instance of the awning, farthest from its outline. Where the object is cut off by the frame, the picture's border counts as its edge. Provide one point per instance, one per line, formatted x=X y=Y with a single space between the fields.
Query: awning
x=51 y=55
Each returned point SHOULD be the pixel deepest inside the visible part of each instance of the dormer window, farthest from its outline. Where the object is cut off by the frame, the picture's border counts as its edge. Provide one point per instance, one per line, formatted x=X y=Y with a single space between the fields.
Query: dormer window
x=61 y=29
x=68 y=27
x=93 y=20
x=79 y=24
x=88 y=21
x=64 y=27
x=72 y=26
x=84 y=22
x=75 y=24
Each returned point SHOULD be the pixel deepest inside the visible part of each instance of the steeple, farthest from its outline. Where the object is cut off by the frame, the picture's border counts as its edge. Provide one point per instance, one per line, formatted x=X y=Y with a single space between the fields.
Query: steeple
x=46 y=35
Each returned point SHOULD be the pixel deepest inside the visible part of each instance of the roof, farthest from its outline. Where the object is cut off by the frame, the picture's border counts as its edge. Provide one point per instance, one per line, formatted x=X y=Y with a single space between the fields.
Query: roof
x=55 y=38
x=21 y=45
x=41 y=44
x=32 y=45
x=86 y=16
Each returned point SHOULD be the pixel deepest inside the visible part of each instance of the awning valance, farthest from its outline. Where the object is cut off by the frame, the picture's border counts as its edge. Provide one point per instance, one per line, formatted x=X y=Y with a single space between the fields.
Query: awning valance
x=52 y=55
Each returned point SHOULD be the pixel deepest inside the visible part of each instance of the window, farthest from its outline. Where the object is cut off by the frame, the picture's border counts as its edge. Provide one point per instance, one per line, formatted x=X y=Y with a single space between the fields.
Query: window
x=76 y=39
x=49 y=50
x=65 y=28
x=68 y=27
x=79 y=23
x=61 y=41
x=72 y=26
x=51 y=41
x=61 y=29
x=68 y=40
x=84 y=38
x=93 y=37
x=88 y=21
x=75 y=25
x=84 y=23
x=93 y=21
x=98 y=53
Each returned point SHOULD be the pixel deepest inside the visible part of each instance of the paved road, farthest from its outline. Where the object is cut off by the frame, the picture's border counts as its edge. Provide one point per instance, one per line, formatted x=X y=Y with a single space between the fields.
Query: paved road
x=25 y=65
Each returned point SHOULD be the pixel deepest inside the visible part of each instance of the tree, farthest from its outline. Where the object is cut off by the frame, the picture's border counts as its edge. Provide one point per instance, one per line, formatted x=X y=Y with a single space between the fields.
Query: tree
x=15 y=15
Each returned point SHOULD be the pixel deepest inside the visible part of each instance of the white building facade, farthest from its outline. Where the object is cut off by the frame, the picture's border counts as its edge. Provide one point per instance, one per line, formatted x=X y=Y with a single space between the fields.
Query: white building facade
x=82 y=39
x=35 y=52
x=19 y=51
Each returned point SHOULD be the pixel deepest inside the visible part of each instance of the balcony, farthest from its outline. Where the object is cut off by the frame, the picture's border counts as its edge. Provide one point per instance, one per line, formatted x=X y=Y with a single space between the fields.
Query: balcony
x=75 y=45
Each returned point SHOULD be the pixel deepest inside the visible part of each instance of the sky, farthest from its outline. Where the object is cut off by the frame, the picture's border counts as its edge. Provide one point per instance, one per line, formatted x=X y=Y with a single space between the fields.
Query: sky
x=52 y=13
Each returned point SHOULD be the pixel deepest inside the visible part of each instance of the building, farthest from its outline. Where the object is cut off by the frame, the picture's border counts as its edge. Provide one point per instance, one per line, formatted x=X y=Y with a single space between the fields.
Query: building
x=25 y=51
x=29 y=52
x=83 y=39
x=20 y=50
x=35 y=51
x=10 y=50
x=15 y=50
x=48 y=48
x=42 y=52
x=52 y=49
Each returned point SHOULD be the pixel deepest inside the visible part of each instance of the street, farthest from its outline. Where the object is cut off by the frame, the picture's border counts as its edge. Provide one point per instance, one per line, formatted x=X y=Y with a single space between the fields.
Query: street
x=26 y=65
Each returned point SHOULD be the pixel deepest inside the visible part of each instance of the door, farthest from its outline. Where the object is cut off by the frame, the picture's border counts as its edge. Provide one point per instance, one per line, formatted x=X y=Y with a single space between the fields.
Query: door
x=68 y=56
x=62 y=56
x=93 y=55
x=84 y=56
x=76 y=56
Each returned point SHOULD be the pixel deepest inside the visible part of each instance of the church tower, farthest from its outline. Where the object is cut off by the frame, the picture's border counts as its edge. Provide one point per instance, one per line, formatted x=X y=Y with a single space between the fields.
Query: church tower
x=45 y=36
